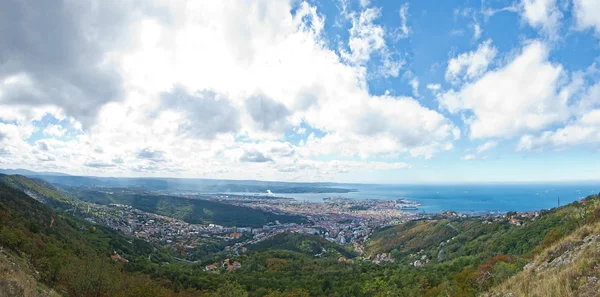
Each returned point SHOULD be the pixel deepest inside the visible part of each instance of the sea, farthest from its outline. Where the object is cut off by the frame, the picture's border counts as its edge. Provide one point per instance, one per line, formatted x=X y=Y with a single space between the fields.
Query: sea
x=467 y=198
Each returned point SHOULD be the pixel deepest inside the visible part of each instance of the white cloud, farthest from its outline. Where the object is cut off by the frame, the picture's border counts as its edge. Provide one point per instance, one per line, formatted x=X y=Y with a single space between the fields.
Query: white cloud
x=404 y=30
x=542 y=14
x=382 y=126
x=477 y=31
x=587 y=14
x=584 y=129
x=469 y=157
x=489 y=12
x=368 y=39
x=205 y=87
x=434 y=87
x=414 y=83
x=510 y=101
x=55 y=54
x=55 y=131
x=486 y=146
x=471 y=65
x=479 y=150
x=365 y=37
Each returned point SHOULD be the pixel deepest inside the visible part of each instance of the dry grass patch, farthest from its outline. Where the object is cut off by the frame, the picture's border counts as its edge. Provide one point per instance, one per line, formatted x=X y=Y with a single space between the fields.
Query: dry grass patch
x=17 y=278
x=570 y=267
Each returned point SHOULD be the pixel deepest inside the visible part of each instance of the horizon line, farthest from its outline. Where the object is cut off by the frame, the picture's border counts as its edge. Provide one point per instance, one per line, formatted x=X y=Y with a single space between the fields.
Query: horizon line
x=63 y=174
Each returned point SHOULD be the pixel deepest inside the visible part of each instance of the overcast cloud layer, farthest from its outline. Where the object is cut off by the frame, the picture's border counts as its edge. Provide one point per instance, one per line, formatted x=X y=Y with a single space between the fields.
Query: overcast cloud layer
x=293 y=90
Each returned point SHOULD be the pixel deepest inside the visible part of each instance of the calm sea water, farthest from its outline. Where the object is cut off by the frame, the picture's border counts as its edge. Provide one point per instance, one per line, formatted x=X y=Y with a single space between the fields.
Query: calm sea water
x=468 y=198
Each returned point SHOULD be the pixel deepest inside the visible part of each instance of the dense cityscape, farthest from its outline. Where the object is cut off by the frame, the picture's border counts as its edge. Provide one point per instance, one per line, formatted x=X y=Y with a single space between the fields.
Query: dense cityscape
x=347 y=222
x=339 y=220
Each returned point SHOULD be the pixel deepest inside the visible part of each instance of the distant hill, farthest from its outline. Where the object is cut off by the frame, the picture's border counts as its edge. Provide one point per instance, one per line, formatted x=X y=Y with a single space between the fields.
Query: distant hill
x=197 y=185
x=38 y=189
x=26 y=172
x=197 y=211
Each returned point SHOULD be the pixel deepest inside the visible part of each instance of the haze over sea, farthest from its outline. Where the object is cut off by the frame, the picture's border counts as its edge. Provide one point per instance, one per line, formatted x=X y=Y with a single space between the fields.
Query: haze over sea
x=467 y=198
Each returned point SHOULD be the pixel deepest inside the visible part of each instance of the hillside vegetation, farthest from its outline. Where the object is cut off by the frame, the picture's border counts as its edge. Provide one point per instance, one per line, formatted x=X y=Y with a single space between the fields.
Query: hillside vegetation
x=196 y=211
x=452 y=238
x=467 y=257
x=17 y=278
x=43 y=247
x=303 y=243
x=37 y=189
x=569 y=267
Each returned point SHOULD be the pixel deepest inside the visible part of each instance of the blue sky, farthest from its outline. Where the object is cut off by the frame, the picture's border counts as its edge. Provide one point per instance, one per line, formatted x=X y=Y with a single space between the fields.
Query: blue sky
x=351 y=91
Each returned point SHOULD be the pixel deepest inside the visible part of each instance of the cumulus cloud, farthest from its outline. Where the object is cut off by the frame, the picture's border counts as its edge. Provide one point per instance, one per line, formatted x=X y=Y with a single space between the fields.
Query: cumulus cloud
x=57 y=53
x=366 y=37
x=510 y=101
x=542 y=14
x=45 y=158
x=55 y=130
x=205 y=113
x=194 y=91
x=151 y=154
x=434 y=87
x=43 y=145
x=267 y=114
x=471 y=65
x=255 y=156
x=387 y=125
x=587 y=15
x=582 y=129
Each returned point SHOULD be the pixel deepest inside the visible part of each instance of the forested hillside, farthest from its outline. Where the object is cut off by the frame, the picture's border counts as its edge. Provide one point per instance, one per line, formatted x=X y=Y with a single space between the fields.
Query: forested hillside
x=196 y=211
x=62 y=253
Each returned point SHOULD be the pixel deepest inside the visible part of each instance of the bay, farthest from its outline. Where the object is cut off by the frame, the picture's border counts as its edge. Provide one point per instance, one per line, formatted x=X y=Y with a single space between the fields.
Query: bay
x=466 y=198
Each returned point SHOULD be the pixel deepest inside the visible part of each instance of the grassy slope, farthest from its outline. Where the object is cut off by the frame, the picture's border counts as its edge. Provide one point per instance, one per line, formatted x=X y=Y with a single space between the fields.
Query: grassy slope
x=19 y=278
x=570 y=267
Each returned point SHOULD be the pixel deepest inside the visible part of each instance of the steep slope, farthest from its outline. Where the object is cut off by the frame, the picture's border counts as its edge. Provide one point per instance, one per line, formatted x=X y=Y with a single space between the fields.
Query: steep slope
x=55 y=251
x=18 y=277
x=570 y=267
x=442 y=238
x=465 y=257
x=38 y=190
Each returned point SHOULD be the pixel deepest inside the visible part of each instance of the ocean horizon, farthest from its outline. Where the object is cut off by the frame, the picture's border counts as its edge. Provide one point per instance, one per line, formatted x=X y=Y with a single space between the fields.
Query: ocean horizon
x=466 y=198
